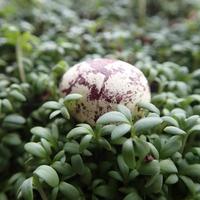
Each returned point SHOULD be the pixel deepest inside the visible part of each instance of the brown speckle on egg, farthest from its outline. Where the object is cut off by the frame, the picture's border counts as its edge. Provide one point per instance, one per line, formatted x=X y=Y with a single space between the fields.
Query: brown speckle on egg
x=104 y=83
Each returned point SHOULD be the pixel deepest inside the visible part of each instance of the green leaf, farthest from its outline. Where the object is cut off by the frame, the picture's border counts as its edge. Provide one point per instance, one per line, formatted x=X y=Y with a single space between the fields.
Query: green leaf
x=59 y=155
x=13 y=121
x=55 y=131
x=174 y=130
x=124 y=110
x=27 y=189
x=171 y=179
x=133 y=174
x=167 y=166
x=48 y=174
x=122 y=166
x=195 y=128
x=120 y=141
x=153 y=150
x=107 y=129
x=65 y=112
x=11 y=139
x=7 y=104
x=78 y=131
x=179 y=113
x=4 y=83
x=128 y=153
x=35 y=149
x=196 y=150
x=120 y=130
x=97 y=182
x=54 y=193
x=60 y=68
x=72 y=97
x=132 y=196
x=149 y=106
x=69 y=191
x=72 y=148
x=171 y=146
x=141 y=148
x=17 y=95
x=105 y=144
x=87 y=176
x=192 y=120
x=87 y=126
x=15 y=177
x=116 y=175
x=77 y=164
x=145 y=124
x=54 y=105
x=170 y=120
x=156 y=183
x=112 y=117
x=54 y=114
x=189 y=183
x=3 y=196
x=63 y=168
x=42 y=132
x=150 y=168
x=194 y=97
x=105 y=191
x=11 y=34
x=85 y=142
x=192 y=170
x=47 y=146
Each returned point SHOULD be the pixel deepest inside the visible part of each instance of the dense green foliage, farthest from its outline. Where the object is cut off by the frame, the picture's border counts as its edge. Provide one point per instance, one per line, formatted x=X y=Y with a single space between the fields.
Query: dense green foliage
x=44 y=154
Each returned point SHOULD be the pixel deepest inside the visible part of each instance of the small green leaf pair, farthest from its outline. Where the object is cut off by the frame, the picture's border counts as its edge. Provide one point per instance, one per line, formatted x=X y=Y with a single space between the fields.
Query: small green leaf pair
x=49 y=176
x=61 y=107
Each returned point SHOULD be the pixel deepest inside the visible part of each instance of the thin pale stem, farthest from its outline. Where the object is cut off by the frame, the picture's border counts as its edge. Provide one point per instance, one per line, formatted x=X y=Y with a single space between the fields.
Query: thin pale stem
x=42 y=194
x=142 y=11
x=184 y=142
x=38 y=186
x=19 y=55
x=133 y=133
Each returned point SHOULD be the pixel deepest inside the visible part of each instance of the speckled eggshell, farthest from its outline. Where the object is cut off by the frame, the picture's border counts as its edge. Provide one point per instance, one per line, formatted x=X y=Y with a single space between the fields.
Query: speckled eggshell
x=104 y=83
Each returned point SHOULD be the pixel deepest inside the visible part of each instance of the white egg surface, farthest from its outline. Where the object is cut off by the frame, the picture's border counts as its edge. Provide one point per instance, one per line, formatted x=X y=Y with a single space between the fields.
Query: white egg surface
x=104 y=83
